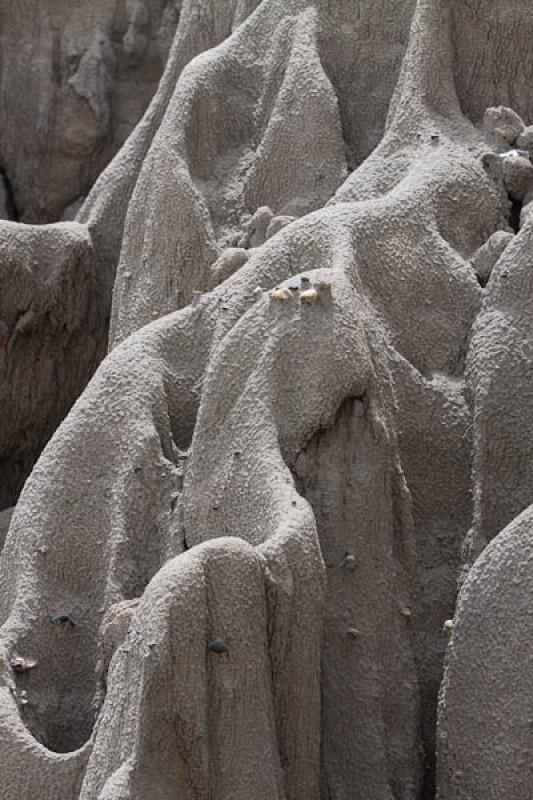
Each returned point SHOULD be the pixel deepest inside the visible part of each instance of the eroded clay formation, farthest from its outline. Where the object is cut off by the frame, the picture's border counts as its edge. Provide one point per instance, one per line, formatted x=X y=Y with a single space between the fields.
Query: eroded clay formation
x=76 y=78
x=233 y=571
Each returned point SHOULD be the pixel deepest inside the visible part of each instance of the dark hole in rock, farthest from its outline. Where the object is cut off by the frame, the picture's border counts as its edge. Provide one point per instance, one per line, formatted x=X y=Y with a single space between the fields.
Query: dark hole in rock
x=514 y=216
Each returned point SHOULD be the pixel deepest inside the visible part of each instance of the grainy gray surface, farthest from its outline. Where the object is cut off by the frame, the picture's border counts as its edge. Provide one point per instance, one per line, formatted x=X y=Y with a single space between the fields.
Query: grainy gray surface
x=305 y=431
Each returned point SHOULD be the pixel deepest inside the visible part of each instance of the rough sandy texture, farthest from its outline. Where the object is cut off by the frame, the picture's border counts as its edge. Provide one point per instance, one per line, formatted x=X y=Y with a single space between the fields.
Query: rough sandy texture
x=253 y=520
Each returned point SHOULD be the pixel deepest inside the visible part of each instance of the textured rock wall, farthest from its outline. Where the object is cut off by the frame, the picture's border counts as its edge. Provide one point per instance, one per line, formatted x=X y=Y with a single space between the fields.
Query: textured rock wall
x=47 y=363
x=75 y=78
x=233 y=561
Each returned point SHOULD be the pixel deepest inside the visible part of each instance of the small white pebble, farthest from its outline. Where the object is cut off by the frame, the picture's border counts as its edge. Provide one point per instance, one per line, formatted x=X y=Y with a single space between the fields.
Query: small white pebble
x=308 y=297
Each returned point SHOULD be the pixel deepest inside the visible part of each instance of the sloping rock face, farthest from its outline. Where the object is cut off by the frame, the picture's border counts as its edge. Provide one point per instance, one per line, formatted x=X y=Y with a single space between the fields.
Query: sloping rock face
x=56 y=280
x=75 y=78
x=5 y=519
x=228 y=572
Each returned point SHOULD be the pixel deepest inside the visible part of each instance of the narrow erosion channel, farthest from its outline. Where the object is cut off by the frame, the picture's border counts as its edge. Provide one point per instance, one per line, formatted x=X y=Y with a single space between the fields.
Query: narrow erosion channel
x=370 y=693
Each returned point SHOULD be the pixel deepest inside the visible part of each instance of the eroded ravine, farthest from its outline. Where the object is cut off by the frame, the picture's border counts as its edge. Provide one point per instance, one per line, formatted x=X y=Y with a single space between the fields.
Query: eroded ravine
x=361 y=391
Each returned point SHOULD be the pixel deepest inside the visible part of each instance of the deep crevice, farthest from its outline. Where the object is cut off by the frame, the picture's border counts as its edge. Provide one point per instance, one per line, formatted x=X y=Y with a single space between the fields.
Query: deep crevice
x=514 y=215
x=11 y=204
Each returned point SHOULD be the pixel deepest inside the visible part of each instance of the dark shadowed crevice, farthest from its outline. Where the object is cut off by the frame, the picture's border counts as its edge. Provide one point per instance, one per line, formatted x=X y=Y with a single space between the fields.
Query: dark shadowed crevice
x=514 y=215
x=11 y=205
